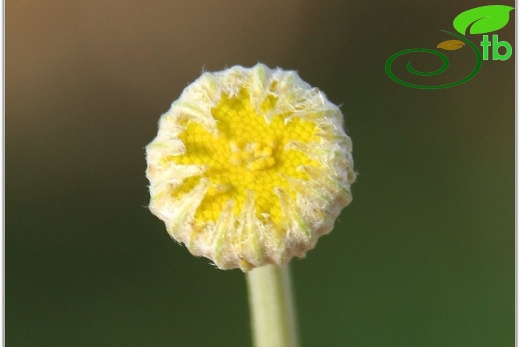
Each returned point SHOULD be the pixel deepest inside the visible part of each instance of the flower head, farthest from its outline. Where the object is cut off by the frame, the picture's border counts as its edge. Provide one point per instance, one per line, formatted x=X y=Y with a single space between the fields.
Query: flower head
x=249 y=167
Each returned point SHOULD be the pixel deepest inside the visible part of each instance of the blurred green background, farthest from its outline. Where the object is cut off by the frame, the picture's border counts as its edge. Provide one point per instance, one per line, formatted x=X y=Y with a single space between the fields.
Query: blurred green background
x=424 y=256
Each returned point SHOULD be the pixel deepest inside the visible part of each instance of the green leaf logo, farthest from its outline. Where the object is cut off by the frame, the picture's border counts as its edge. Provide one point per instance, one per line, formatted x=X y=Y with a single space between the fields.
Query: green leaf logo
x=484 y=19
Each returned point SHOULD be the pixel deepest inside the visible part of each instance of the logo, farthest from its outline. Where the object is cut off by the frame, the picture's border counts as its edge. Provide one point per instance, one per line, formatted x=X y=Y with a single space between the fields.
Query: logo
x=479 y=20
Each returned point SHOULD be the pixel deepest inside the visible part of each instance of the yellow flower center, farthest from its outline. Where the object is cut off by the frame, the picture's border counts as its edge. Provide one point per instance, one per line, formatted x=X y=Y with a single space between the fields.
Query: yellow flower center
x=249 y=153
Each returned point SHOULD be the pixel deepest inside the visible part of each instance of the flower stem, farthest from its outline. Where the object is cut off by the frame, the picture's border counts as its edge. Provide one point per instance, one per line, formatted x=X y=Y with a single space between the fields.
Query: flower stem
x=273 y=321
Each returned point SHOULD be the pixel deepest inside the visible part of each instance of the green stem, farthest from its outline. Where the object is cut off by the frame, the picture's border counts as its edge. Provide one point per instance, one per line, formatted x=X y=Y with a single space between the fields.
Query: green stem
x=273 y=321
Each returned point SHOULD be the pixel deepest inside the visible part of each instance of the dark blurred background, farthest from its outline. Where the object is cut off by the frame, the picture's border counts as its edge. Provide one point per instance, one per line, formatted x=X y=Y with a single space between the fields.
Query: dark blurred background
x=424 y=256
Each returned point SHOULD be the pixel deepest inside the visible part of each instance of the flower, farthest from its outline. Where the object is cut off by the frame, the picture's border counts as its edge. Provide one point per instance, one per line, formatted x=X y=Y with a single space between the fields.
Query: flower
x=249 y=167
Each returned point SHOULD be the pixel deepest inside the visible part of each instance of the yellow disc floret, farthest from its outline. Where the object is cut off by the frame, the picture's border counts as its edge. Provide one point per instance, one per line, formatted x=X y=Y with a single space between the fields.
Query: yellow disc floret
x=247 y=154
x=250 y=167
